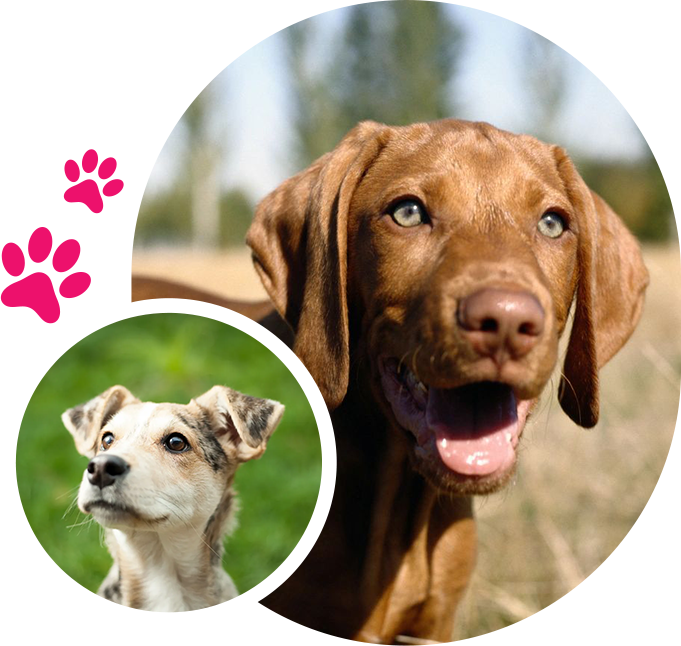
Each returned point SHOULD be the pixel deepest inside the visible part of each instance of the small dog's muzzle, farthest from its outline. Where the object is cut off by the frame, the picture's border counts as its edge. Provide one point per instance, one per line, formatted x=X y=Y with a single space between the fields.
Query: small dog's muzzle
x=105 y=470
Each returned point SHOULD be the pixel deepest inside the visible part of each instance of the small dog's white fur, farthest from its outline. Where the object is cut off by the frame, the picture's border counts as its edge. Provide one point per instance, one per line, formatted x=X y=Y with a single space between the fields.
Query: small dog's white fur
x=160 y=481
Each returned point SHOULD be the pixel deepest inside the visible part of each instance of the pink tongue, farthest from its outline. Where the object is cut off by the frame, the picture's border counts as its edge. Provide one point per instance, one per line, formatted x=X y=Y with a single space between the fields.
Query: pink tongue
x=474 y=427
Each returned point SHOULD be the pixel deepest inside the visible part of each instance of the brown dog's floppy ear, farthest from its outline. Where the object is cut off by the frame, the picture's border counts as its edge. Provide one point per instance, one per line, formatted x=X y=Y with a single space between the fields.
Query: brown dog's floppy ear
x=85 y=421
x=299 y=243
x=242 y=423
x=611 y=284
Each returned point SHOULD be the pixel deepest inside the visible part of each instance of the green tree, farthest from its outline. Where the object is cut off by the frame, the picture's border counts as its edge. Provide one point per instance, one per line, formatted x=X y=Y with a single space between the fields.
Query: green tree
x=545 y=79
x=392 y=62
x=315 y=114
x=196 y=209
x=164 y=217
x=203 y=163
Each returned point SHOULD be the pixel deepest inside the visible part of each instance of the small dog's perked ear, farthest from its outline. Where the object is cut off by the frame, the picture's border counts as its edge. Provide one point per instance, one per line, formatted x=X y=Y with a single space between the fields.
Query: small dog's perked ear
x=85 y=421
x=241 y=421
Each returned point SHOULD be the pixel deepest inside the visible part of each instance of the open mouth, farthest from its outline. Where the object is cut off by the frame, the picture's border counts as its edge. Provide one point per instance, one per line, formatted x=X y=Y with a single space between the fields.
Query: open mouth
x=473 y=430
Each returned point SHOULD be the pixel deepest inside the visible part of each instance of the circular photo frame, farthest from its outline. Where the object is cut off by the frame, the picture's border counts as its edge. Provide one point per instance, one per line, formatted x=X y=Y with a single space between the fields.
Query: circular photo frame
x=169 y=349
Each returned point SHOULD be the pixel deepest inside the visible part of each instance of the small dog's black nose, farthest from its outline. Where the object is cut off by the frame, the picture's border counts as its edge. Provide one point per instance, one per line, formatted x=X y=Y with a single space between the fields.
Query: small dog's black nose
x=104 y=470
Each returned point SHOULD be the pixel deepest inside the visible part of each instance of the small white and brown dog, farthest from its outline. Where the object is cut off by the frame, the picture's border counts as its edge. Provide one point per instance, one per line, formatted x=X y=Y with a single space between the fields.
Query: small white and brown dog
x=160 y=481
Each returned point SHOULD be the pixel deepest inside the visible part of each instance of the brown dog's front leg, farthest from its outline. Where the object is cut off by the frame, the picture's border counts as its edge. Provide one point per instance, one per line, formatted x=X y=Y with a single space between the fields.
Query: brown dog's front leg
x=420 y=604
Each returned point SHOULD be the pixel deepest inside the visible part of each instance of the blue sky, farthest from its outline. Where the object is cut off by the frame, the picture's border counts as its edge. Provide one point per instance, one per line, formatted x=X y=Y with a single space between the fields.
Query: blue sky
x=252 y=120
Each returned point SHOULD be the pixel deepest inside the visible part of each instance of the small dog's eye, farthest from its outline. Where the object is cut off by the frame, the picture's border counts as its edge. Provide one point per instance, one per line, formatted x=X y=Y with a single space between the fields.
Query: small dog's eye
x=107 y=441
x=551 y=225
x=409 y=213
x=176 y=443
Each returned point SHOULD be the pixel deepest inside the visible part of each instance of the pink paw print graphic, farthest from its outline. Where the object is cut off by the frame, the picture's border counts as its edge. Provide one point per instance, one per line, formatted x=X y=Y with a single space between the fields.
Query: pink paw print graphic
x=87 y=191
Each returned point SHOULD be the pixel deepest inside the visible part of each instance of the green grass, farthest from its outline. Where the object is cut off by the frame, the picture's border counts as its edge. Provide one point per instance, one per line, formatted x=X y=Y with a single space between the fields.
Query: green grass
x=170 y=357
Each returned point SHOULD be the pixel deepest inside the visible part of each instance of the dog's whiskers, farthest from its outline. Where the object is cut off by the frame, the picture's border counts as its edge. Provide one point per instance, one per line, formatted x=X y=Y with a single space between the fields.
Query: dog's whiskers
x=88 y=521
x=71 y=505
x=68 y=492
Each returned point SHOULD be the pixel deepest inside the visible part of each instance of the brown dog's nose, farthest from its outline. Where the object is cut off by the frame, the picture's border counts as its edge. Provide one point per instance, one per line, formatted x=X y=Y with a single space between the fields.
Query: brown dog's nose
x=499 y=323
x=103 y=470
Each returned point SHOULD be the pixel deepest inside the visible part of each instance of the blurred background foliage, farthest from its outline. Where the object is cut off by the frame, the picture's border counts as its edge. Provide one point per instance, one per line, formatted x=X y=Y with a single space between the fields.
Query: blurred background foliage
x=394 y=62
x=169 y=357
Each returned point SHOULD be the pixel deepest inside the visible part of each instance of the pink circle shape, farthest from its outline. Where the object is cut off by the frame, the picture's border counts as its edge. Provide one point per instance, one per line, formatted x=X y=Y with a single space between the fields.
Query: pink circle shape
x=90 y=161
x=75 y=284
x=40 y=244
x=114 y=187
x=71 y=170
x=66 y=255
x=13 y=259
x=107 y=168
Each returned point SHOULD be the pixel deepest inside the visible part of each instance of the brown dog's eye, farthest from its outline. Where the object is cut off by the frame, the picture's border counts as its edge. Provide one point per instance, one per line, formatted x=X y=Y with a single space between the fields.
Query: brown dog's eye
x=551 y=225
x=176 y=443
x=409 y=213
x=107 y=441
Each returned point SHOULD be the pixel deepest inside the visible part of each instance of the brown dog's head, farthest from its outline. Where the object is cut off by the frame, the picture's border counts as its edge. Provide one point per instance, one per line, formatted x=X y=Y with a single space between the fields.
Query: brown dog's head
x=449 y=256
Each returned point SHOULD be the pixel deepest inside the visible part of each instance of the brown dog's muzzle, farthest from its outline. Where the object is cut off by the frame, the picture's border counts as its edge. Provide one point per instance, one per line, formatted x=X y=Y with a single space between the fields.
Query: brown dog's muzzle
x=484 y=344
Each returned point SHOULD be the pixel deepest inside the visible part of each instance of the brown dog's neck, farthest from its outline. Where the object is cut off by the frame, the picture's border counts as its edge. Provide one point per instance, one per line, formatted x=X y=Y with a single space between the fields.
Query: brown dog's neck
x=411 y=534
x=391 y=540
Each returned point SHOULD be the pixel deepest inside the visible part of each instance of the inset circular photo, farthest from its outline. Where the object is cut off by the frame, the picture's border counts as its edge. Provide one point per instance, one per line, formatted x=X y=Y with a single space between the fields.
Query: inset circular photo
x=169 y=462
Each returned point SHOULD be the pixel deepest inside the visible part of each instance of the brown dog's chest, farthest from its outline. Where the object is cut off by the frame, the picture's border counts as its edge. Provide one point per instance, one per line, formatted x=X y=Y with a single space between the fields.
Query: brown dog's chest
x=394 y=556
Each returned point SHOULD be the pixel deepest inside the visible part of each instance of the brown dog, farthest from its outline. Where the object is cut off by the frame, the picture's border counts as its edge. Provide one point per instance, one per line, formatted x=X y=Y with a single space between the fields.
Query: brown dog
x=427 y=273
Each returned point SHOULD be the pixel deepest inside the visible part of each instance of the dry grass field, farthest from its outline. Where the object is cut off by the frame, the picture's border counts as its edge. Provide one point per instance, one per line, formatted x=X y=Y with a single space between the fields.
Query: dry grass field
x=577 y=492
x=228 y=273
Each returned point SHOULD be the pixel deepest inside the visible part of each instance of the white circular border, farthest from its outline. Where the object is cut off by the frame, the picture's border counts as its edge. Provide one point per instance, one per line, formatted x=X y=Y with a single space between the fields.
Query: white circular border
x=243 y=610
